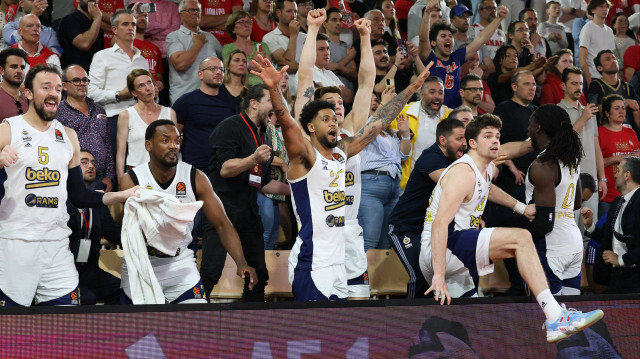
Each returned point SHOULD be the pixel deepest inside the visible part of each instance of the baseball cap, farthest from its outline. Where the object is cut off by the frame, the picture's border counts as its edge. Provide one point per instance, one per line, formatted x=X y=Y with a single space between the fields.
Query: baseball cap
x=460 y=9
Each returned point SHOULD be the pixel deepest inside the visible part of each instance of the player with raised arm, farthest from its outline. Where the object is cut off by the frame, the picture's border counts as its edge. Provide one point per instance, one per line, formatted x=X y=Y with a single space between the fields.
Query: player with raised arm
x=317 y=178
x=355 y=256
x=41 y=159
x=451 y=230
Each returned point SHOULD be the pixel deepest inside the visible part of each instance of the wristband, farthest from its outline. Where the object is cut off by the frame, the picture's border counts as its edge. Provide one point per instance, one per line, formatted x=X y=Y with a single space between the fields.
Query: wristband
x=408 y=138
x=604 y=179
x=519 y=208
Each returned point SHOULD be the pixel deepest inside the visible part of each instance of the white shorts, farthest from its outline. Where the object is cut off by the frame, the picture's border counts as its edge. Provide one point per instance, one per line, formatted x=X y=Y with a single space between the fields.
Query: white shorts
x=176 y=275
x=566 y=274
x=44 y=270
x=355 y=259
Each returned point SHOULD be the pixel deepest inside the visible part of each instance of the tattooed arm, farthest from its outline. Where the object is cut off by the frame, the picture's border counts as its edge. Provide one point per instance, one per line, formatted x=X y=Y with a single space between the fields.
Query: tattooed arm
x=315 y=18
x=382 y=118
x=357 y=118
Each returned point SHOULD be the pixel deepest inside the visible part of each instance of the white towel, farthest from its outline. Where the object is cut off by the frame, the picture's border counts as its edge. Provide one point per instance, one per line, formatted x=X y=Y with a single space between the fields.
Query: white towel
x=163 y=219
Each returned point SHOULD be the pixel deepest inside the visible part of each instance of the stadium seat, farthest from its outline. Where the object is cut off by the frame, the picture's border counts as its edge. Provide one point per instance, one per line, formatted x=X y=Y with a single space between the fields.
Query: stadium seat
x=387 y=275
x=278 y=266
x=111 y=261
x=496 y=282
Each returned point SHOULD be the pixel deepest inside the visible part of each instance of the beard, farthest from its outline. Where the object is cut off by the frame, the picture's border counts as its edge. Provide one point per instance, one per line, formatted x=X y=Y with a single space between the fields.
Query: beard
x=324 y=140
x=167 y=162
x=535 y=144
x=44 y=114
x=13 y=82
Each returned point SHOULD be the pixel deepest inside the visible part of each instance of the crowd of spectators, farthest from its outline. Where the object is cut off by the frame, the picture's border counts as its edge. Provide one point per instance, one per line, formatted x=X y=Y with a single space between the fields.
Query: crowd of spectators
x=190 y=61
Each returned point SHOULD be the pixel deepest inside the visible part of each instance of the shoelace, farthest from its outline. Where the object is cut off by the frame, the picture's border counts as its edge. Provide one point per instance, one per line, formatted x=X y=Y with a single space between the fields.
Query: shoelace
x=564 y=311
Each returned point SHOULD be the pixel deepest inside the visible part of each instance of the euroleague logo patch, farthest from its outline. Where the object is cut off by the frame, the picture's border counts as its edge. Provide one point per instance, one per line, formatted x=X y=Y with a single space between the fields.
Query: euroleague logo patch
x=181 y=189
x=59 y=137
x=338 y=157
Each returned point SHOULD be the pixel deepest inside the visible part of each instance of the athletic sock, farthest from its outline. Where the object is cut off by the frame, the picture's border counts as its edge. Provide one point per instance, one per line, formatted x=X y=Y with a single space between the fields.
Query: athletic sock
x=549 y=305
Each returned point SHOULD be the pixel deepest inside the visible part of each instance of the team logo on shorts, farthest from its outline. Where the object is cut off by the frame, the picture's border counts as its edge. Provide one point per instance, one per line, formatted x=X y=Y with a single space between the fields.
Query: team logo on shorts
x=75 y=297
x=407 y=242
x=197 y=292
x=338 y=157
x=181 y=189
x=335 y=221
x=59 y=137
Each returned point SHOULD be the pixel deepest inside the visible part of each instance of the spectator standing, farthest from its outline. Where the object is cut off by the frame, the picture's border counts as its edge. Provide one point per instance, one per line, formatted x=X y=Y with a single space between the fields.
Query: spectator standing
x=133 y=121
x=552 y=90
x=108 y=8
x=260 y=11
x=390 y=21
x=616 y=141
x=13 y=101
x=148 y=50
x=487 y=11
x=471 y=91
x=235 y=76
x=80 y=35
x=88 y=227
x=89 y=120
x=201 y=110
x=506 y=67
x=110 y=67
x=215 y=14
x=540 y=46
x=595 y=36
x=572 y=10
x=622 y=36
x=518 y=34
x=324 y=77
x=187 y=47
x=610 y=83
x=162 y=22
x=551 y=30
x=239 y=168
x=341 y=56
x=48 y=37
x=239 y=27
x=631 y=61
x=460 y=15
x=473 y=67
x=29 y=31
x=285 y=41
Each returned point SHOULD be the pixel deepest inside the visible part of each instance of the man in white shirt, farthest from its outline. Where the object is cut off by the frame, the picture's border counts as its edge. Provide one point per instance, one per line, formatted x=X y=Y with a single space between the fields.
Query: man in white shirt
x=594 y=37
x=324 y=77
x=487 y=11
x=110 y=67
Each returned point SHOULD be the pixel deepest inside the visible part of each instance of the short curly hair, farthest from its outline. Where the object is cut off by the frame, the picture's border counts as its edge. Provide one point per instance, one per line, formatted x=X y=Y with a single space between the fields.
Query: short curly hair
x=310 y=111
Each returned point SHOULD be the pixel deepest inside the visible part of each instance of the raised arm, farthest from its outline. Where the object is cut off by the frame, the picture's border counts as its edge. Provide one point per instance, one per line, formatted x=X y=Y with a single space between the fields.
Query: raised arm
x=382 y=118
x=357 y=118
x=424 y=46
x=214 y=211
x=488 y=31
x=304 y=95
x=299 y=149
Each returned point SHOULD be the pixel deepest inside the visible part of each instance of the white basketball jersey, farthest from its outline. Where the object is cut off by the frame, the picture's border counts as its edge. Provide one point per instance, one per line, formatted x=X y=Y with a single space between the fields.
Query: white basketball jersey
x=319 y=204
x=565 y=238
x=180 y=187
x=355 y=257
x=469 y=213
x=34 y=206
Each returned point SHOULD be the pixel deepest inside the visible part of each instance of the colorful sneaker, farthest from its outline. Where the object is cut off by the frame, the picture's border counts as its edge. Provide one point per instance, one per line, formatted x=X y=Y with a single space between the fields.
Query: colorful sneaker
x=570 y=322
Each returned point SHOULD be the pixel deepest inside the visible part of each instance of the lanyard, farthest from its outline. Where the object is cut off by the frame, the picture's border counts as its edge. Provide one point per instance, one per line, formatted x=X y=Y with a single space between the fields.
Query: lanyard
x=252 y=133
x=87 y=223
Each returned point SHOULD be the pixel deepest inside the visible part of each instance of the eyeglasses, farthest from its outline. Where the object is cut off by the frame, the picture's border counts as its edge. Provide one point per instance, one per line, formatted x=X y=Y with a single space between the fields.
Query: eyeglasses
x=19 y=105
x=474 y=89
x=247 y=22
x=214 y=68
x=191 y=11
x=76 y=81
x=86 y=162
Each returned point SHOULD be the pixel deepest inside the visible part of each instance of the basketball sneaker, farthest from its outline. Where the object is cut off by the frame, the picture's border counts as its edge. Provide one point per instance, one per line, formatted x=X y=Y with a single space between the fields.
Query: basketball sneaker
x=571 y=321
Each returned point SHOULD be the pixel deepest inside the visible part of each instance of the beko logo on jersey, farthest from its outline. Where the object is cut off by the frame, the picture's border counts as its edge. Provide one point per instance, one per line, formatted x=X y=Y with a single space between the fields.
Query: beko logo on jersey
x=335 y=221
x=31 y=200
x=336 y=199
x=44 y=177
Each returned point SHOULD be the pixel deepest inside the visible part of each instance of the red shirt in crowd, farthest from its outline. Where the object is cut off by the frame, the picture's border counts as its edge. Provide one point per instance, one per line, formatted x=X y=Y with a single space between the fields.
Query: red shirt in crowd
x=219 y=7
x=153 y=55
x=613 y=144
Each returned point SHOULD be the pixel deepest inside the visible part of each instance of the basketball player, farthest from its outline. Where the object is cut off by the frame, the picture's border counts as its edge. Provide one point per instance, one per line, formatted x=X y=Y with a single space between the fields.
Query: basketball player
x=553 y=183
x=355 y=257
x=317 y=178
x=41 y=159
x=451 y=236
x=178 y=274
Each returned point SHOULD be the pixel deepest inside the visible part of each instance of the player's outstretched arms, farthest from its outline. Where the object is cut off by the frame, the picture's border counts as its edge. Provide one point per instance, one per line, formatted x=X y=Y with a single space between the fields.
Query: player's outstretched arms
x=214 y=210
x=382 y=118
x=457 y=184
x=304 y=95
x=299 y=150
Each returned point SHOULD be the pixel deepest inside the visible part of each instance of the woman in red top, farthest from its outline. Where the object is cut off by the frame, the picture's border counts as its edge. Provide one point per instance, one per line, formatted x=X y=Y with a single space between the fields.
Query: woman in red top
x=262 y=22
x=617 y=141
x=552 y=91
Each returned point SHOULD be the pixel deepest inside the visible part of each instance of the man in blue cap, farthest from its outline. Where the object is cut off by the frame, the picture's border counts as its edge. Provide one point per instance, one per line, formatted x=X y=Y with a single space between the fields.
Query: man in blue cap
x=460 y=15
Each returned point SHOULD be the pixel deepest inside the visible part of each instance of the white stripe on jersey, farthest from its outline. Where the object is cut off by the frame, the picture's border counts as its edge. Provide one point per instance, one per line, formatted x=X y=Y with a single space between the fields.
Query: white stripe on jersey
x=565 y=238
x=34 y=206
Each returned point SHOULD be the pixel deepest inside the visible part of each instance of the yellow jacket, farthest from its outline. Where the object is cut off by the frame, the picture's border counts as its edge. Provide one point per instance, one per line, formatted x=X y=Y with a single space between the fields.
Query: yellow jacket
x=412 y=113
